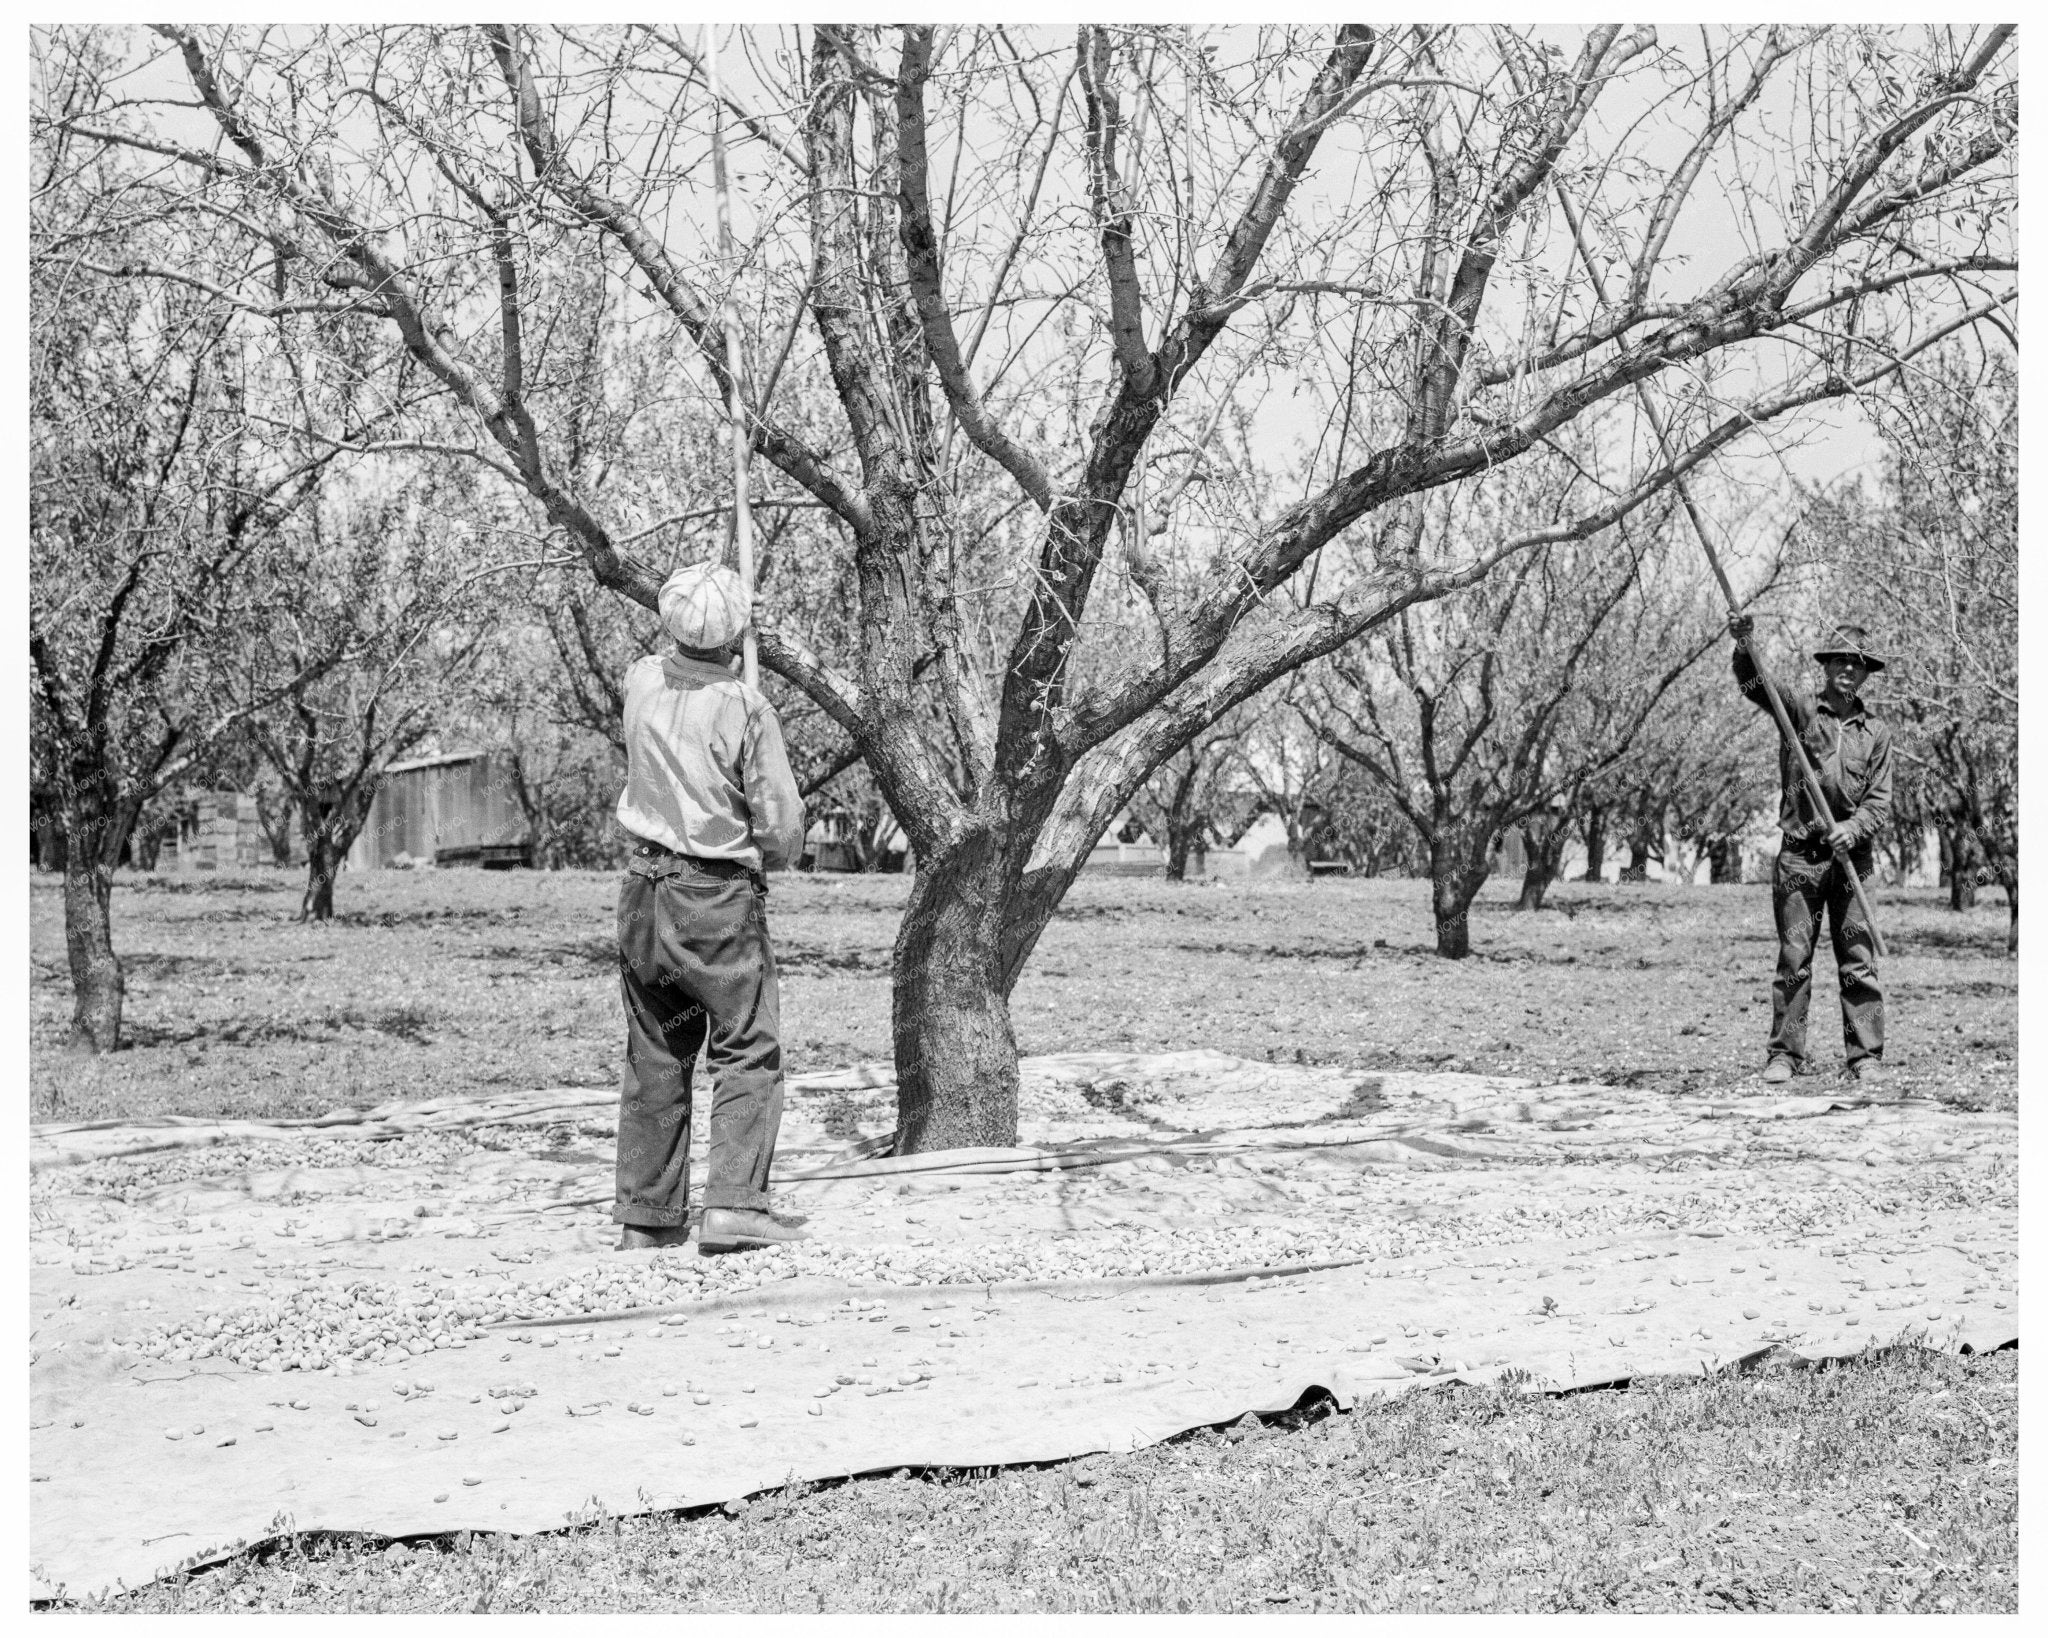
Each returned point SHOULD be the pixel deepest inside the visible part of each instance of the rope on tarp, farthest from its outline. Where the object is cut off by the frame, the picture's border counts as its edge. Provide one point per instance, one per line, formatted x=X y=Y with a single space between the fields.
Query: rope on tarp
x=812 y=1296
x=970 y=1162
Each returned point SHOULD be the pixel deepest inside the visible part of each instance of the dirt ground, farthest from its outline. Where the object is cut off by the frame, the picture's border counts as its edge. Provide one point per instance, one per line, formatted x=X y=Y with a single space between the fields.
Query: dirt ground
x=460 y=981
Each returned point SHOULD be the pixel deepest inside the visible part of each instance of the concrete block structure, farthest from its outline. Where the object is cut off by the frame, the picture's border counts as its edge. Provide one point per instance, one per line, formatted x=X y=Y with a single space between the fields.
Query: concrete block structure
x=217 y=830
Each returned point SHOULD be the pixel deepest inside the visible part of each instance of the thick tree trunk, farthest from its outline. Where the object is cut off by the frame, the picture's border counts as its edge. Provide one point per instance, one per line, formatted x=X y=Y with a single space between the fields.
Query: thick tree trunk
x=323 y=864
x=1180 y=840
x=1963 y=859
x=50 y=847
x=1450 y=901
x=956 y=1056
x=1724 y=860
x=1908 y=843
x=1641 y=847
x=2000 y=863
x=1455 y=878
x=1596 y=843
x=333 y=818
x=1543 y=847
x=97 y=988
x=274 y=814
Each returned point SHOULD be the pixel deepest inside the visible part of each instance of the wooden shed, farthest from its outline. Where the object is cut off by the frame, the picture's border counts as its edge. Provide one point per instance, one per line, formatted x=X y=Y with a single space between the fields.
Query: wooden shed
x=457 y=809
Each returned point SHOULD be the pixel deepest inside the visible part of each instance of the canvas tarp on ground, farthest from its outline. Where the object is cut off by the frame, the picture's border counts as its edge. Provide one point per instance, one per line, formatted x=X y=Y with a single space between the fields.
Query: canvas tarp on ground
x=1117 y=1278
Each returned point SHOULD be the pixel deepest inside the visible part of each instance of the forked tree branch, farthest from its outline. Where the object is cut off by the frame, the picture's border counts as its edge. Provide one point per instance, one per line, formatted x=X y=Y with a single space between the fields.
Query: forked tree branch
x=1096 y=61
x=622 y=224
x=1162 y=708
x=1077 y=528
x=927 y=282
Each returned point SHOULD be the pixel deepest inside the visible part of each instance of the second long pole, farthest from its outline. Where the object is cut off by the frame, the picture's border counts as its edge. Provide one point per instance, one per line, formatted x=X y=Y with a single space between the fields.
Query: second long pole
x=735 y=404
x=1808 y=778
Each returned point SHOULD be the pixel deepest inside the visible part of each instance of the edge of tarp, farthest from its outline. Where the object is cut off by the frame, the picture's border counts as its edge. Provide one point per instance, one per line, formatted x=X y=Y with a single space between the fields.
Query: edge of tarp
x=156 y=1134
x=166 y=1132
x=1344 y=1388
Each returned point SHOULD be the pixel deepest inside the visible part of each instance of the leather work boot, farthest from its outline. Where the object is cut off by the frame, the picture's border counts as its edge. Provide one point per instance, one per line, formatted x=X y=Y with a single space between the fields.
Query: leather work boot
x=728 y=1229
x=632 y=1237
x=1869 y=1072
x=1778 y=1070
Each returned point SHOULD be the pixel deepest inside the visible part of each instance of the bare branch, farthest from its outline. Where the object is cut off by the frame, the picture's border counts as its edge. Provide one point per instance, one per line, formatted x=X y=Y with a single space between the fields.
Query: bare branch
x=1096 y=62
x=1664 y=217
x=755 y=126
x=552 y=167
x=927 y=283
x=1570 y=100
x=1024 y=218
x=280 y=309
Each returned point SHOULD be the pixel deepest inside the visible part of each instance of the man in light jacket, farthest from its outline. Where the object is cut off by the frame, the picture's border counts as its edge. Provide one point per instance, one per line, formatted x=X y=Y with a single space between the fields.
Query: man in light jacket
x=712 y=804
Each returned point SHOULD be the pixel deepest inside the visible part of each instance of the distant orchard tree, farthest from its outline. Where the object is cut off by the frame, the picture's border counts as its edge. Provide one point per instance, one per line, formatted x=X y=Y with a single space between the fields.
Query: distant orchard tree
x=381 y=583
x=1499 y=707
x=1186 y=805
x=153 y=488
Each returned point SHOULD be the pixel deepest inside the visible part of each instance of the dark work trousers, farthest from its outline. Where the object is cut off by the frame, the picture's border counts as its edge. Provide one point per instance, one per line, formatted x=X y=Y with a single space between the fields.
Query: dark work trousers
x=695 y=966
x=1805 y=885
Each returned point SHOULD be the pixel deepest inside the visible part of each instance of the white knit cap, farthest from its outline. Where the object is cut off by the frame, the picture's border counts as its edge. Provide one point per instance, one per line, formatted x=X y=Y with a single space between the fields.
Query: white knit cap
x=703 y=605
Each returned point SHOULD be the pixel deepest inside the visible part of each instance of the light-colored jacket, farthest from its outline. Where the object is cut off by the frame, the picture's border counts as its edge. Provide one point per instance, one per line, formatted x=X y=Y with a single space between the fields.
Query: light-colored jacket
x=706 y=772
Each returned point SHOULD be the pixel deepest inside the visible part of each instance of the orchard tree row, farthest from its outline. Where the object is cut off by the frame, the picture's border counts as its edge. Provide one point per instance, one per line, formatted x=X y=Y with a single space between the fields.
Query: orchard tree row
x=1095 y=381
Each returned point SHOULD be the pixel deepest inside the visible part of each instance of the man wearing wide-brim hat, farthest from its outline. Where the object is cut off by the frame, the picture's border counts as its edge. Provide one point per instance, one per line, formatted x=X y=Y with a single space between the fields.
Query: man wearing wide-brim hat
x=711 y=804
x=1851 y=750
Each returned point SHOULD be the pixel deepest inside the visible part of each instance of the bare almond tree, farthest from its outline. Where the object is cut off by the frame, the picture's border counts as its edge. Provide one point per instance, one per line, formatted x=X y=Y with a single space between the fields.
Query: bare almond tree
x=1185 y=805
x=151 y=492
x=1002 y=294
x=1498 y=706
x=379 y=583
x=1698 y=772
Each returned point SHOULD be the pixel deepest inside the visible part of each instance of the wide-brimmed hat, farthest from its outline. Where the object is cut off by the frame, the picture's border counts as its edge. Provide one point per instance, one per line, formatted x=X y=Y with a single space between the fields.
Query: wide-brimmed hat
x=703 y=605
x=1850 y=643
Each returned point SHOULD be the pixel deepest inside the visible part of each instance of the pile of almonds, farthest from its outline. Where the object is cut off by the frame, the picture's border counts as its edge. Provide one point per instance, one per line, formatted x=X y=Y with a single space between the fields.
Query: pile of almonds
x=316 y=1326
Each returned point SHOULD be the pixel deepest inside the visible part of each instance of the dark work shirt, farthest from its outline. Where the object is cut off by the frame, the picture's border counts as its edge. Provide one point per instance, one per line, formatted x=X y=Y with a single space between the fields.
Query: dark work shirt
x=1851 y=751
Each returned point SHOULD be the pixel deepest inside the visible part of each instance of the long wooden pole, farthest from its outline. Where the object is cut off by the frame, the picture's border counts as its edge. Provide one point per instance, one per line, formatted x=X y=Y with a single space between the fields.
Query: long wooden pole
x=1808 y=777
x=729 y=319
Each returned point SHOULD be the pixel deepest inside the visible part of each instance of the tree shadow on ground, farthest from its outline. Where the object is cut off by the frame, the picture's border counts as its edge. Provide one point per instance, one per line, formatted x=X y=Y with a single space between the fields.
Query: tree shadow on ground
x=407 y=1023
x=211 y=884
x=164 y=964
x=423 y=917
